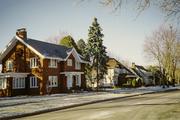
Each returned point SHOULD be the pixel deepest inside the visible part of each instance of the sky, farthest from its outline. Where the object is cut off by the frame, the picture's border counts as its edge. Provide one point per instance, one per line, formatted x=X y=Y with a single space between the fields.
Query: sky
x=124 y=33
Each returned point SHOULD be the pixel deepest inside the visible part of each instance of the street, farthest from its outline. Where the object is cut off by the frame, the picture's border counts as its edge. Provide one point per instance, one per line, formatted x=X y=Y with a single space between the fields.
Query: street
x=158 y=106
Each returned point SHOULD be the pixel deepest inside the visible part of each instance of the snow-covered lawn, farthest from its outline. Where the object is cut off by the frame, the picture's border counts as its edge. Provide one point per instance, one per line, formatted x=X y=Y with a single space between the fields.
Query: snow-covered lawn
x=13 y=106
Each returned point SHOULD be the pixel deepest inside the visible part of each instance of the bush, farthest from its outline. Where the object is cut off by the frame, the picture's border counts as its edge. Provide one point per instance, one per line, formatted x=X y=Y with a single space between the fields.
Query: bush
x=134 y=83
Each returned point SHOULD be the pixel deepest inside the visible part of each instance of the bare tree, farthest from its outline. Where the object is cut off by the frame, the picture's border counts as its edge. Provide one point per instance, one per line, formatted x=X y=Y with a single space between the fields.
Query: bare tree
x=163 y=47
x=170 y=7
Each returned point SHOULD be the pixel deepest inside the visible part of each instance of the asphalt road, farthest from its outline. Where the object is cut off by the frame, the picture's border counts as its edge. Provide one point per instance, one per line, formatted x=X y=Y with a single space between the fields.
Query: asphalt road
x=159 y=106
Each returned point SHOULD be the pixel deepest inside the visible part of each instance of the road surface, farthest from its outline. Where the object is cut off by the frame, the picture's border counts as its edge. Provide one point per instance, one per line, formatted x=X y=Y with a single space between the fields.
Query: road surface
x=159 y=106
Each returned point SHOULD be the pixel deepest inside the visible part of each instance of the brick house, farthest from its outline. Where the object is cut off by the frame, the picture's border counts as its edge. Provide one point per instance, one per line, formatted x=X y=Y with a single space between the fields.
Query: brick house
x=32 y=67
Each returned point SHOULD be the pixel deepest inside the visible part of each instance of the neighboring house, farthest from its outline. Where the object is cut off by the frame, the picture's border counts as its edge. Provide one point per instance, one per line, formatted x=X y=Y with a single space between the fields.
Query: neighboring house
x=111 y=78
x=146 y=76
x=126 y=76
x=32 y=67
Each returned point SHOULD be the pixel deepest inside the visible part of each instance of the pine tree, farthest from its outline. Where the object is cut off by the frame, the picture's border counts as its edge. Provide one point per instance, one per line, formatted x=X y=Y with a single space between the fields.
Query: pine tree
x=81 y=46
x=96 y=51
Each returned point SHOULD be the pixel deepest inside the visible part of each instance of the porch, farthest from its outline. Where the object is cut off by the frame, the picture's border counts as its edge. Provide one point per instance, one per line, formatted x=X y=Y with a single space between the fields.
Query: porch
x=12 y=83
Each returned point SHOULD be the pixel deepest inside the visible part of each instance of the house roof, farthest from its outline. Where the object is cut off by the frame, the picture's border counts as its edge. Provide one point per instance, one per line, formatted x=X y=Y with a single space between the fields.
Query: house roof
x=43 y=49
x=49 y=49
x=113 y=63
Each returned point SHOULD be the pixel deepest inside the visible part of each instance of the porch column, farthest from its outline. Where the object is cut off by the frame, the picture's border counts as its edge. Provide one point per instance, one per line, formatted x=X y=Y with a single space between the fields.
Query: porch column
x=69 y=81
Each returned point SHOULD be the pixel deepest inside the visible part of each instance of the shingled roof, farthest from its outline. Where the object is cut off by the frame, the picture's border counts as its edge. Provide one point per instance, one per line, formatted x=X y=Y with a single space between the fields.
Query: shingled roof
x=44 y=49
x=49 y=49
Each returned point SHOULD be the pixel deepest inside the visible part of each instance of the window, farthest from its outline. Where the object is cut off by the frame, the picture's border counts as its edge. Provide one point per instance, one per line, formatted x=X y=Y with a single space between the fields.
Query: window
x=33 y=82
x=33 y=62
x=9 y=65
x=53 y=63
x=18 y=83
x=2 y=83
x=53 y=81
x=77 y=65
x=69 y=62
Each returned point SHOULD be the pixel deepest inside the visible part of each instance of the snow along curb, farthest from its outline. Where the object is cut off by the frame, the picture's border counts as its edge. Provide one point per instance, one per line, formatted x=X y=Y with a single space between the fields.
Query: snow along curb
x=80 y=104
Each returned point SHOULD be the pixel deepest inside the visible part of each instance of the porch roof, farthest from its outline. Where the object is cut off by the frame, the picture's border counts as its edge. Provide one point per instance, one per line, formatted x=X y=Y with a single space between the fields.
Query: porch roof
x=13 y=74
x=71 y=73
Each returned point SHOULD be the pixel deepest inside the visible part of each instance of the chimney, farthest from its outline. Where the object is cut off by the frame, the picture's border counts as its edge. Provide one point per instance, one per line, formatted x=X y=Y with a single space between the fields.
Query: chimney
x=21 y=33
x=133 y=65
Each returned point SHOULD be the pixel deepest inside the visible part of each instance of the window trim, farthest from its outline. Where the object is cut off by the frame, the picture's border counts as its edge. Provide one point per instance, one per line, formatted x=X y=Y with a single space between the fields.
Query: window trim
x=51 y=64
x=4 y=83
x=33 y=79
x=8 y=62
x=19 y=83
x=77 y=65
x=35 y=64
x=78 y=80
x=69 y=62
x=51 y=80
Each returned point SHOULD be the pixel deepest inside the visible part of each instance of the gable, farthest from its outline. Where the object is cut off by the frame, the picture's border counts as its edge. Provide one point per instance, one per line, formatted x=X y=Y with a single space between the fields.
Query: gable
x=12 y=44
x=8 y=48
x=76 y=56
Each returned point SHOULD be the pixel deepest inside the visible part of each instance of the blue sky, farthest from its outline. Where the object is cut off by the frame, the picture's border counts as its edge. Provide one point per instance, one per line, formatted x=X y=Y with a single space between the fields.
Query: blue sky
x=124 y=33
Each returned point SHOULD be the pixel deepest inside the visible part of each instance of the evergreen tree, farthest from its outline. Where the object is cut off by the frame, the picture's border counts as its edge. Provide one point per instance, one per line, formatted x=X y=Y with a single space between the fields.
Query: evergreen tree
x=81 y=46
x=96 y=51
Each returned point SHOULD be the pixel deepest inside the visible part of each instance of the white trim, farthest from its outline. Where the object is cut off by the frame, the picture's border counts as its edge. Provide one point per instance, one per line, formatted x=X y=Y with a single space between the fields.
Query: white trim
x=54 y=58
x=19 y=83
x=77 y=65
x=72 y=73
x=13 y=74
x=33 y=62
x=12 y=43
x=36 y=52
x=78 y=80
x=9 y=65
x=69 y=81
x=69 y=62
x=8 y=48
x=52 y=80
x=76 y=56
x=31 y=48
x=51 y=63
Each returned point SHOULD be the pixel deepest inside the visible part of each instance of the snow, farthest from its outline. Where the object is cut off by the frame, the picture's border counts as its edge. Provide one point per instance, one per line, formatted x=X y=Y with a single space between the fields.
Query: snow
x=14 y=106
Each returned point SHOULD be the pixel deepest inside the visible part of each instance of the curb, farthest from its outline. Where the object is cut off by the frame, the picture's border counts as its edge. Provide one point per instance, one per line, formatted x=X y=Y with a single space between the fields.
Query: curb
x=77 y=105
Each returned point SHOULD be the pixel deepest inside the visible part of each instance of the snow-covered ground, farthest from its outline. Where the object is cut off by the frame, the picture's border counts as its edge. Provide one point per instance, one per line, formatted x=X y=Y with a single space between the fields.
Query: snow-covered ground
x=14 y=106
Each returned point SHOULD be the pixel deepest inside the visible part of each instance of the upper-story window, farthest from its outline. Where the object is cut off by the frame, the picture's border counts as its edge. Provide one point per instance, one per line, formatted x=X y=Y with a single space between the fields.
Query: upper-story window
x=69 y=62
x=9 y=65
x=33 y=62
x=77 y=65
x=53 y=63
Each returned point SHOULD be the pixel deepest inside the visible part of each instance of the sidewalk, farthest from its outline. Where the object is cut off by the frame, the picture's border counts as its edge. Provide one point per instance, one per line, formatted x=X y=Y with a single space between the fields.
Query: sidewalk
x=12 y=107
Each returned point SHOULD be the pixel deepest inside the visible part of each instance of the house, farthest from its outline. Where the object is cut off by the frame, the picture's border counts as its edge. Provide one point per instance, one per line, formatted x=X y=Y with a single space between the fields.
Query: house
x=126 y=77
x=119 y=75
x=146 y=76
x=111 y=78
x=32 y=67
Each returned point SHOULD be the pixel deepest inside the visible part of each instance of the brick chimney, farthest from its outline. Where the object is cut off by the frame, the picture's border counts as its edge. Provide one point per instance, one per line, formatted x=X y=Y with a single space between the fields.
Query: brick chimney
x=21 y=33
